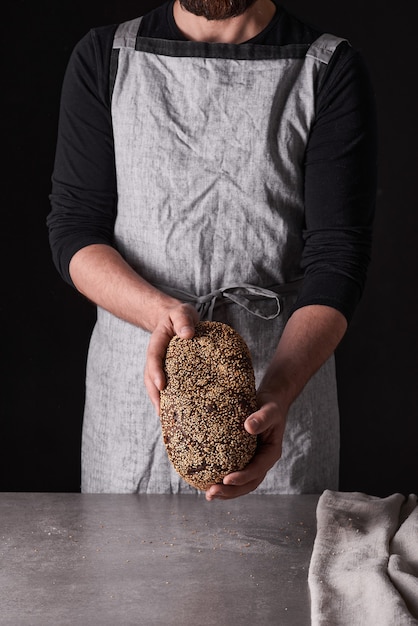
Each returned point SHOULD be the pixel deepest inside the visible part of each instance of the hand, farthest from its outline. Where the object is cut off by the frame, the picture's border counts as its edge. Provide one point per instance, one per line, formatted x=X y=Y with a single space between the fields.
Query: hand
x=310 y=336
x=180 y=320
x=269 y=424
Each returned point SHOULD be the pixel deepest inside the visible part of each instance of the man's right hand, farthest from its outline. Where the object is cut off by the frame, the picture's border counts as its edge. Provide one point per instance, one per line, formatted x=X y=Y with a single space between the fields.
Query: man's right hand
x=101 y=274
x=178 y=320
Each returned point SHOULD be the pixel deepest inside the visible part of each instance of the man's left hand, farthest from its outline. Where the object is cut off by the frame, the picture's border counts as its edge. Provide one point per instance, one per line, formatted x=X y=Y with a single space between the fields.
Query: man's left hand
x=269 y=424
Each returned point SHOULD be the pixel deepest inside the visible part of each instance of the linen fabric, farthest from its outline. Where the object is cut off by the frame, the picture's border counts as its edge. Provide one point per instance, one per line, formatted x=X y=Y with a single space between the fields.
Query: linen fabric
x=364 y=564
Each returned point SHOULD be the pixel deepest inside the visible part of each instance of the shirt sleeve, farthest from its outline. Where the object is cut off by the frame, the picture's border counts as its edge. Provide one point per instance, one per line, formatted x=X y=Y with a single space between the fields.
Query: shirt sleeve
x=83 y=193
x=340 y=187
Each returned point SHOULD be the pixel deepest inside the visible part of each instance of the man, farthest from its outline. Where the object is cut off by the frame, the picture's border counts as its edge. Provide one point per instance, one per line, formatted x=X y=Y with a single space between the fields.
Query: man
x=210 y=156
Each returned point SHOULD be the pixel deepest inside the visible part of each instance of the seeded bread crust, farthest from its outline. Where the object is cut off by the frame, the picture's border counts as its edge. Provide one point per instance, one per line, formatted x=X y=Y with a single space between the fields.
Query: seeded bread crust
x=210 y=392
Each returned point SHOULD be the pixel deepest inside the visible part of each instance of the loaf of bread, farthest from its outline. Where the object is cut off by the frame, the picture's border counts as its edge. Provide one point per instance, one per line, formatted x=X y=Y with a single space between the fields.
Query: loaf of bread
x=209 y=394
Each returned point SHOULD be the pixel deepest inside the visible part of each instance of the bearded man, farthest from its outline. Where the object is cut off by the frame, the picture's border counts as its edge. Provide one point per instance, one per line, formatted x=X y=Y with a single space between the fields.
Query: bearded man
x=215 y=158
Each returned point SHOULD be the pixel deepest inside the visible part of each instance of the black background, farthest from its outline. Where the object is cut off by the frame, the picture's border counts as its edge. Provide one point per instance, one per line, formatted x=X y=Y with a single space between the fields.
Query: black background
x=46 y=325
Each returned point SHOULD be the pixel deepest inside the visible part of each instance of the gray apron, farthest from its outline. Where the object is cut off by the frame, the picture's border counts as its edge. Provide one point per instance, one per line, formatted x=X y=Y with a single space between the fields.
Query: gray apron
x=209 y=147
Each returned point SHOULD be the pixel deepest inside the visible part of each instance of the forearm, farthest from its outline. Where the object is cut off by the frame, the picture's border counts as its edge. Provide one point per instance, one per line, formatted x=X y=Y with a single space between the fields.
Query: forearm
x=103 y=276
x=309 y=339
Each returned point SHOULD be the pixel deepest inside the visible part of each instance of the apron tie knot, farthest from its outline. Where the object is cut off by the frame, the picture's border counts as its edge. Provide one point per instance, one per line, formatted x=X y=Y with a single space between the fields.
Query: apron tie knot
x=242 y=294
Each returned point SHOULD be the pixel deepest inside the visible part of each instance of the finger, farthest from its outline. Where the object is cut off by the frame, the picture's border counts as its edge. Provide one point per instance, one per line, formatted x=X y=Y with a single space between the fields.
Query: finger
x=240 y=483
x=262 y=462
x=154 y=394
x=261 y=420
x=184 y=320
x=228 y=492
x=156 y=351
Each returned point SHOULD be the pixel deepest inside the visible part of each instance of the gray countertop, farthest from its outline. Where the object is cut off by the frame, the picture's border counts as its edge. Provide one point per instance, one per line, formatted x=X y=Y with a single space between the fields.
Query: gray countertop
x=151 y=560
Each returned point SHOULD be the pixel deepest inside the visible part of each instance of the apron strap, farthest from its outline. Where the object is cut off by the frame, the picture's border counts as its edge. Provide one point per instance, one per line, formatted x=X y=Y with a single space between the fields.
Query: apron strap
x=243 y=294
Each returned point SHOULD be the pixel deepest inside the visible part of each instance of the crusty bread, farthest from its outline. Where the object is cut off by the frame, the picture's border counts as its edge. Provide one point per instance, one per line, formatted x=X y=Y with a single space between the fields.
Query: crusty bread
x=210 y=392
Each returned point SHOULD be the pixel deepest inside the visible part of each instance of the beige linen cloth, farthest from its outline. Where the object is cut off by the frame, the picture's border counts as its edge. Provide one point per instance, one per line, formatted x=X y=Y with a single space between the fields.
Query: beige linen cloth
x=364 y=564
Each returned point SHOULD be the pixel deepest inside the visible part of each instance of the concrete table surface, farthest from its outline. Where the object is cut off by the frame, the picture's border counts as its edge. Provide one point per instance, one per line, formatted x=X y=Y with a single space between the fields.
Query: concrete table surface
x=154 y=560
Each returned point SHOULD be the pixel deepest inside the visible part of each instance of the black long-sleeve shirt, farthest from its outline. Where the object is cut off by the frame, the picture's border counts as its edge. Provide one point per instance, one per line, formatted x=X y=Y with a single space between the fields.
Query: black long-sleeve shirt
x=340 y=160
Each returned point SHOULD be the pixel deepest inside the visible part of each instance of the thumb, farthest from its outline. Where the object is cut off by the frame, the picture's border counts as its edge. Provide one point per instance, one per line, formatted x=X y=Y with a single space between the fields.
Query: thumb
x=184 y=321
x=260 y=420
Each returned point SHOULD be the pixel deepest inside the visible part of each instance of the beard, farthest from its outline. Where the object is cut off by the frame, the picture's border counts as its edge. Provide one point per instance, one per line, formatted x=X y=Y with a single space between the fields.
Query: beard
x=216 y=9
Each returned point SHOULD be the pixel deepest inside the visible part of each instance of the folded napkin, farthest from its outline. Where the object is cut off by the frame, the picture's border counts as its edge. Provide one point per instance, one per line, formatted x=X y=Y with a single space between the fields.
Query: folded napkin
x=364 y=563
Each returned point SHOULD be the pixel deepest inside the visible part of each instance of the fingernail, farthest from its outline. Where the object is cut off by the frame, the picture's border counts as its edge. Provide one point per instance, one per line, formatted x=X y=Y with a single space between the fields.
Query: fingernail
x=212 y=495
x=254 y=423
x=186 y=329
